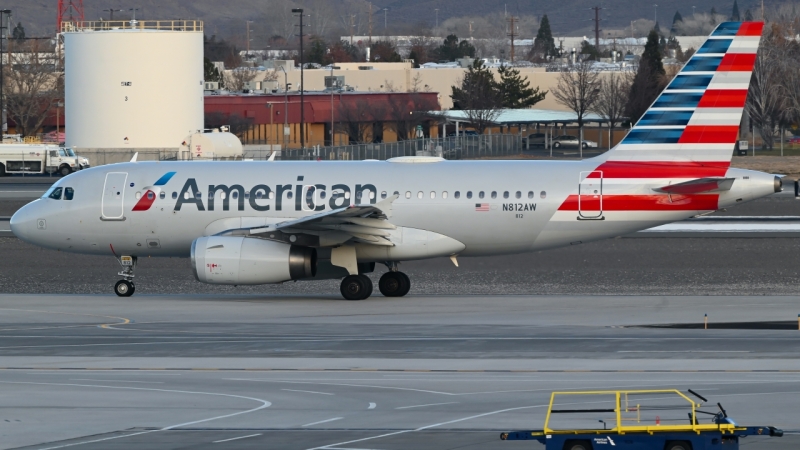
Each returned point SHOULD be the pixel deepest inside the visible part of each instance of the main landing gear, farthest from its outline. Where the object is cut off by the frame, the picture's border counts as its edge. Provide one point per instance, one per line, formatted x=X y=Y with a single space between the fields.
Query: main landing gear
x=392 y=284
x=125 y=287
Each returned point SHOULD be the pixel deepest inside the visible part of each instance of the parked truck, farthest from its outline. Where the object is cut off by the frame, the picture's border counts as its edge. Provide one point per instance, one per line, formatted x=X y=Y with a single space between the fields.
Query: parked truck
x=39 y=158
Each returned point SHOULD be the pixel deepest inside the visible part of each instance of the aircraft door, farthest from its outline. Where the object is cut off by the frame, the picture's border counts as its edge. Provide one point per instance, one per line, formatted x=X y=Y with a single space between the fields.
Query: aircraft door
x=113 y=195
x=590 y=195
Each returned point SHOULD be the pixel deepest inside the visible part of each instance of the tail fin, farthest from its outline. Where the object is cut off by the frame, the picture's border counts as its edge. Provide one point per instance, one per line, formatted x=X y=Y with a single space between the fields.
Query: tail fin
x=696 y=118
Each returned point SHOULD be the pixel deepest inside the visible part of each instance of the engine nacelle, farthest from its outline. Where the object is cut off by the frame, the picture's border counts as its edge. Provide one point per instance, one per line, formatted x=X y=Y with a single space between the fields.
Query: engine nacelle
x=241 y=260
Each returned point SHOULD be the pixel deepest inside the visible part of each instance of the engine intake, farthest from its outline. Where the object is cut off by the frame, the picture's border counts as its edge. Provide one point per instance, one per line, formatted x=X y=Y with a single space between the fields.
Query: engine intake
x=241 y=260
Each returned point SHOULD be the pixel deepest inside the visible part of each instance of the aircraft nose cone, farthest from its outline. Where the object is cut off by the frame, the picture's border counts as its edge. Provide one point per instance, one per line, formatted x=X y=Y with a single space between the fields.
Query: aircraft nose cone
x=23 y=223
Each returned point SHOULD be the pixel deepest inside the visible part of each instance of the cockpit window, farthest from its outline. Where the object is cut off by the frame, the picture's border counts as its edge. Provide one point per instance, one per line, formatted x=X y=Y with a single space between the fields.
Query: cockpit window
x=56 y=194
x=68 y=193
x=61 y=152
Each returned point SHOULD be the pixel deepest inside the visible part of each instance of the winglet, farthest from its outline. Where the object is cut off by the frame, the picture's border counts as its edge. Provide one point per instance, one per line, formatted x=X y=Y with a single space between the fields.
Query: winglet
x=272 y=156
x=386 y=205
x=135 y=155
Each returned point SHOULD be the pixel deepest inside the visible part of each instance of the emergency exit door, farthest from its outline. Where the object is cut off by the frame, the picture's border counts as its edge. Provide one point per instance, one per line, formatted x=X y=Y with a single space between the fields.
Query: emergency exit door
x=113 y=195
x=590 y=195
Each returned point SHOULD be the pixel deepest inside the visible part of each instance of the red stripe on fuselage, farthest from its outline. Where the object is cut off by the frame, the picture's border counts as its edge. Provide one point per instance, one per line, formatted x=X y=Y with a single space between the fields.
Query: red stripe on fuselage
x=723 y=98
x=709 y=134
x=145 y=202
x=662 y=202
x=657 y=169
x=750 y=29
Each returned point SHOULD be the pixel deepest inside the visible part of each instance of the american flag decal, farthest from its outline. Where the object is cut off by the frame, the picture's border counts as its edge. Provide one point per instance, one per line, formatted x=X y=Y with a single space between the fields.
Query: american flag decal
x=481 y=207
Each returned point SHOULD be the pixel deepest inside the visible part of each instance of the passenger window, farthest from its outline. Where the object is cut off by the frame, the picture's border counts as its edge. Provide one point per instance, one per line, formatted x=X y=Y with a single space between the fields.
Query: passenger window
x=469 y=194
x=543 y=194
x=138 y=195
x=444 y=194
x=408 y=194
x=397 y=193
x=162 y=195
x=358 y=195
x=150 y=195
x=530 y=194
x=198 y=195
x=174 y=195
x=494 y=194
x=433 y=194
x=56 y=194
x=68 y=193
x=457 y=194
x=371 y=195
x=383 y=194
x=235 y=194
x=347 y=194
x=186 y=196
x=505 y=194
x=518 y=194
x=420 y=194
x=272 y=195
x=259 y=194
x=321 y=194
x=289 y=195
x=247 y=195
x=480 y=194
x=221 y=195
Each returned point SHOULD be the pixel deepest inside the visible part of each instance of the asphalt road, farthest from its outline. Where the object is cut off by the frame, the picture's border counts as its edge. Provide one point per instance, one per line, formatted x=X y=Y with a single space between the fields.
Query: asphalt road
x=421 y=372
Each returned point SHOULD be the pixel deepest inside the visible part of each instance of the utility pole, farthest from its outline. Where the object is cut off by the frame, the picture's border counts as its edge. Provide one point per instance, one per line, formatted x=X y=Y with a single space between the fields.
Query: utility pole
x=299 y=12
x=655 y=13
x=352 y=27
x=470 y=30
x=248 y=22
x=597 y=29
x=7 y=13
x=370 y=24
x=762 y=15
x=385 y=10
x=512 y=34
x=437 y=17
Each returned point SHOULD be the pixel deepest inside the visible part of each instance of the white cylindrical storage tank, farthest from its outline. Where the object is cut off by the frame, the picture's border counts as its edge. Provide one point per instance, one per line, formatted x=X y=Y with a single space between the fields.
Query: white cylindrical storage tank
x=133 y=88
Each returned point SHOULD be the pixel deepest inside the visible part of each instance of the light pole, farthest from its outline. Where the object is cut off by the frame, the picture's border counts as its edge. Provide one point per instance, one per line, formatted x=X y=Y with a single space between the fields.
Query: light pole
x=385 y=10
x=299 y=11
x=437 y=17
x=655 y=12
x=285 y=104
x=111 y=13
x=693 y=10
x=7 y=14
x=333 y=135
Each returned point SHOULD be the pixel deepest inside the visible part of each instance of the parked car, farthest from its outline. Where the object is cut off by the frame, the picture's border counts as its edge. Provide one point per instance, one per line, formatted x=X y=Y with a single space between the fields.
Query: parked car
x=535 y=140
x=571 y=141
x=463 y=133
x=795 y=140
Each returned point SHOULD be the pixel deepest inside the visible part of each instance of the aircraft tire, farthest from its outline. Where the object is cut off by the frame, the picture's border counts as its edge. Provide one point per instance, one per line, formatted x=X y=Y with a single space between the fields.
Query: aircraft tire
x=391 y=284
x=124 y=288
x=406 y=285
x=368 y=283
x=354 y=287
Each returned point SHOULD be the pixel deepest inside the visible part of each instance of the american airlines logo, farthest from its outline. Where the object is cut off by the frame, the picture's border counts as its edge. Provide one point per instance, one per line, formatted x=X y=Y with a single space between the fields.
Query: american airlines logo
x=150 y=193
x=261 y=197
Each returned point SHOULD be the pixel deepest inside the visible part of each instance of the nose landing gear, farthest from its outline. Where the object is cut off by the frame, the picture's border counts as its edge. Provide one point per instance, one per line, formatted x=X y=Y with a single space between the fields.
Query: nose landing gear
x=125 y=287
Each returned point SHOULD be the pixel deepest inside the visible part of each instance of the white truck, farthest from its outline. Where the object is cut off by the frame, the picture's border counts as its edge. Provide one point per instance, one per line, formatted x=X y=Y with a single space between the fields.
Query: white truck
x=38 y=158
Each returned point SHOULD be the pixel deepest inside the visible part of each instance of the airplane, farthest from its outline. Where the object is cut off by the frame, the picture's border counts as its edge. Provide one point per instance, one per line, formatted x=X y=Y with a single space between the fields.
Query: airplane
x=249 y=223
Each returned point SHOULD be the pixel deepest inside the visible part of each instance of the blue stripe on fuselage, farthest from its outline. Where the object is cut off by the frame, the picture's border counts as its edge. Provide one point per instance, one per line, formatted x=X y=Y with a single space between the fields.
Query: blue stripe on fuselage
x=164 y=179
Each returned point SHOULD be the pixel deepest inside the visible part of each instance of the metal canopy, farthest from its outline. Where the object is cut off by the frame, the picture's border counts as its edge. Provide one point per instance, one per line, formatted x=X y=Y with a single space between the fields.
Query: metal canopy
x=521 y=116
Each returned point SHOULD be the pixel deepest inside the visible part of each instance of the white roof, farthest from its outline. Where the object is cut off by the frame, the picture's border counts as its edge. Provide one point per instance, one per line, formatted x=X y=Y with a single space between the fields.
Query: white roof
x=520 y=116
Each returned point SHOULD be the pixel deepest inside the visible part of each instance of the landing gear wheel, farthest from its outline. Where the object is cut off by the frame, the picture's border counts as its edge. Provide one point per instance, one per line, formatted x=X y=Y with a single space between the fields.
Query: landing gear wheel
x=124 y=288
x=406 y=285
x=65 y=171
x=355 y=287
x=391 y=284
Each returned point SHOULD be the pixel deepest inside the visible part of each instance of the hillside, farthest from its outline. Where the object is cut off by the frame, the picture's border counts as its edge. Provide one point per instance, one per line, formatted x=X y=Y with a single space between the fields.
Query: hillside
x=272 y=17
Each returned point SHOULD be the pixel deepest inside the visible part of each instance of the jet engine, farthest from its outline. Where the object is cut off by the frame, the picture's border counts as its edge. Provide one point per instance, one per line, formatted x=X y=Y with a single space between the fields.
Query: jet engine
x=241 y=260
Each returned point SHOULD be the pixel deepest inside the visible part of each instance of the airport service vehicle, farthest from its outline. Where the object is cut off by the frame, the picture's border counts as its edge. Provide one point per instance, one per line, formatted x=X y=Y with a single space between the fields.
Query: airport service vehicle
x=641 y=420
x=571 y=141
x=260 y=222
x=38 y=158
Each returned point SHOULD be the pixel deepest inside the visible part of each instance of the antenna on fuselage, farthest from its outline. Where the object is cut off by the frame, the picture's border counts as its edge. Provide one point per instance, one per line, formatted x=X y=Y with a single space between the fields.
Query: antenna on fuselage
x=135 y=155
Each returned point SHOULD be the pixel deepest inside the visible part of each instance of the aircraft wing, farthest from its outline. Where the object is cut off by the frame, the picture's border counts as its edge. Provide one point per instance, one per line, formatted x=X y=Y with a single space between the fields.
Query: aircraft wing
x=698 y=186
x=368 y=224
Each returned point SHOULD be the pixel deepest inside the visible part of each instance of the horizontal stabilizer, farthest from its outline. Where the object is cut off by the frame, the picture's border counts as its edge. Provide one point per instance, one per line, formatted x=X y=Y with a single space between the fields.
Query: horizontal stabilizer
x=698 y=186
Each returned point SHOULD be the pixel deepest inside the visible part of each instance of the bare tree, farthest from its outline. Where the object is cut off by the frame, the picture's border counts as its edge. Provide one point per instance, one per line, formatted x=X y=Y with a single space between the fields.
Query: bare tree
x=765 y=99
x=356 y=120
x=612 y=98
x=236 y=79
x=33 y=85
x=320 y=12
x=578 y=90
x=404 y=113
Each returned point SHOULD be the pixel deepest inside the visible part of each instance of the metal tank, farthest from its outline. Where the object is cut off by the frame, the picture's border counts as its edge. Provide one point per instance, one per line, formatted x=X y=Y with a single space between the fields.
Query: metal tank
x=133 y=85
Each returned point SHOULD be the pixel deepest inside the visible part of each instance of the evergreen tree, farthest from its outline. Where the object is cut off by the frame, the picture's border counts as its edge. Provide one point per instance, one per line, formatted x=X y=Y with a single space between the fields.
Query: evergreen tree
x=516 y=91
x=448 y=51
x=590 y=50
x=544 y=44
x=735 y=13
x=648 y=81
x=317 y=52
x=478 y=96
x=19 y=32
x=210 y=73
x=748 y=16
x=675 y=19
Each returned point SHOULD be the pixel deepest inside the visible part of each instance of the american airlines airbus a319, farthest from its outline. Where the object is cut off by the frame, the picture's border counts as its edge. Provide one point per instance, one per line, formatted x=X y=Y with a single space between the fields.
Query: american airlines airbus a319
x=265 y=222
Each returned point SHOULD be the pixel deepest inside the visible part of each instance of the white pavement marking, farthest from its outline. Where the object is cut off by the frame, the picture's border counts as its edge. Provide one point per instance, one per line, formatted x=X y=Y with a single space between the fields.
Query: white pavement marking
x=236 y=438
x=323 y=421
x=264 y=404
x=422 y=406
x=117 y=381
x=372 y=405
x=307 y=392
x=339 y=384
